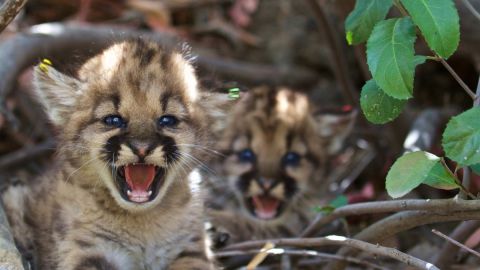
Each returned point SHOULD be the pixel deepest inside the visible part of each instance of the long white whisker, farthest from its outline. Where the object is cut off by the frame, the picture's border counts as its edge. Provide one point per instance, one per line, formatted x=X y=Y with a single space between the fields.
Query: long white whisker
x=83 y=165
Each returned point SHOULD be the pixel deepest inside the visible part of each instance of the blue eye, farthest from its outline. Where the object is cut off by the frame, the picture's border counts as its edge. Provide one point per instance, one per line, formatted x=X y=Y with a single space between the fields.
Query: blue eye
x=291 y=159
x=246 y=155
x=167 y=121
x=115 y=121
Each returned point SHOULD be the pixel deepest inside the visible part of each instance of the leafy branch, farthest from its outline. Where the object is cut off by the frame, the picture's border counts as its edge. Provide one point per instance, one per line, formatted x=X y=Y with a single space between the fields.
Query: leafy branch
x=392 y=61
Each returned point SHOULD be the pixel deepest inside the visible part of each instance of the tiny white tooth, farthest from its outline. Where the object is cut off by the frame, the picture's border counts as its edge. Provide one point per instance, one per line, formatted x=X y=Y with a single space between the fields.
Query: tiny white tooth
x=129 y=192
x=149 y=192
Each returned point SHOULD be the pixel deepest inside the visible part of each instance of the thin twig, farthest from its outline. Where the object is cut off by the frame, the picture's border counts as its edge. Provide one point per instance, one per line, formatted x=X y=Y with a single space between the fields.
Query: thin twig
x=261 y=256
x=457 y=78
x=338 y=241
x=27 y=153
x=452 y=72
x=303 y=253
x=339 y=61
x=472 y=9
x=400 y=222
x=8 y=11
x=465 y=184
x=453 y=241
x=446 y=256
x=434 y=206
x=463 y=189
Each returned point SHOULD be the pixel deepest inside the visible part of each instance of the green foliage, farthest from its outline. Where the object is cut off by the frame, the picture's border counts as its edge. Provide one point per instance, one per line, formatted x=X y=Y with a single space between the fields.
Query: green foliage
x=438 y=20
x=365 y=15
x=476 y=168
x=378 y=107
x=441 y=178
x=391 y=56
x=392 y=61
x=413 y=169
x=234 y=93
x=461 y=138
x=339 y=201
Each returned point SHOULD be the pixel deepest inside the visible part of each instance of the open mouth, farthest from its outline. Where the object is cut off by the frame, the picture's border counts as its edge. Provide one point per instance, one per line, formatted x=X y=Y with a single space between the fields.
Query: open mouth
x=139 y=182
x=265 y=206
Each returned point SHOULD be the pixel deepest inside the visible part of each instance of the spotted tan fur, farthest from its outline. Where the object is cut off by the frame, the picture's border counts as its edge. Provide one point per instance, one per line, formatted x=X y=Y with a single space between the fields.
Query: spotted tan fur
x=272 y=123
x=73 y=216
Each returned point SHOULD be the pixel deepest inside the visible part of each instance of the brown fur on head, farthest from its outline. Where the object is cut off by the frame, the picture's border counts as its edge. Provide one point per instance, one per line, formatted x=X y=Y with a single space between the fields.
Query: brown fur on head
x=277 y=148
x=136 y=106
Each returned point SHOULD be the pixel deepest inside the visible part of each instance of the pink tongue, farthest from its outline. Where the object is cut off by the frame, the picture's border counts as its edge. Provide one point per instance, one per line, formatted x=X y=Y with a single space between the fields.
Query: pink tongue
x=265 y=206
x=139 y=177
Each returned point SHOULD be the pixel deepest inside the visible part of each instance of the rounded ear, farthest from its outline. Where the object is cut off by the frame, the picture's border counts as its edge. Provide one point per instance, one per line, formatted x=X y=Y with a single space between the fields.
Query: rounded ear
x=57 y=92
x=334 y=127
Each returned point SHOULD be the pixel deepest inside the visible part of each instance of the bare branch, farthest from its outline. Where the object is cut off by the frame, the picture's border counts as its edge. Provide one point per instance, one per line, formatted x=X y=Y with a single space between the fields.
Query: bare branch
x=29 y=152
x=403 y=221
x=472 y=9
x=446 y=256
x=456 y=77
x=441 y=206
x=303 y=253
x=339 y=61
x=455 y=242
x=338 y=241
x=9 y=10
x=55 y=40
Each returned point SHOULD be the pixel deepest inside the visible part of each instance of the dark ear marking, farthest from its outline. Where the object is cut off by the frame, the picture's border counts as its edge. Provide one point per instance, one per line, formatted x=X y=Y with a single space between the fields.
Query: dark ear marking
x=146 y=57
x=165 y=59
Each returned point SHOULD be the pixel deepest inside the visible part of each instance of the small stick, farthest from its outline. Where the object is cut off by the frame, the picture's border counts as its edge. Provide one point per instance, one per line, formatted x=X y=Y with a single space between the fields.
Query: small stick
x=455 y=242
x=27 y=153
x=339 y=241
x=303 y=253
x=456 y=77
x=445 y=257
x=8 y=12
x=472 y=9
x=260 y=257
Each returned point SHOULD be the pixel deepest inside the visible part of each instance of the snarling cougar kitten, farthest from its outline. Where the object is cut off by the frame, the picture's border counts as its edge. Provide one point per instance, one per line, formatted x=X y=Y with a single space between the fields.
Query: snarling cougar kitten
x=121 y=193
x=277 y=148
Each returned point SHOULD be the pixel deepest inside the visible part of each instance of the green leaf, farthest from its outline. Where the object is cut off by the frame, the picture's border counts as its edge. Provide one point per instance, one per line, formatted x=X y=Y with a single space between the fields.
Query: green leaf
x=339 y=201
x=378 y=107
x=438 y=20
x=440 y=178
x=413 y=169
x=390 y=56
x=461 y=138
x=476 y=168
x=362 y=19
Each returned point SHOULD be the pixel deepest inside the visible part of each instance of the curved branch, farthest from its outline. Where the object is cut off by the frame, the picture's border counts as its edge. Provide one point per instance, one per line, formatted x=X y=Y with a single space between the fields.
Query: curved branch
x=303 y=253
x=8 y=12
x=440 y=206
x=400 y=222
x=56 y=40
x=338 y=241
